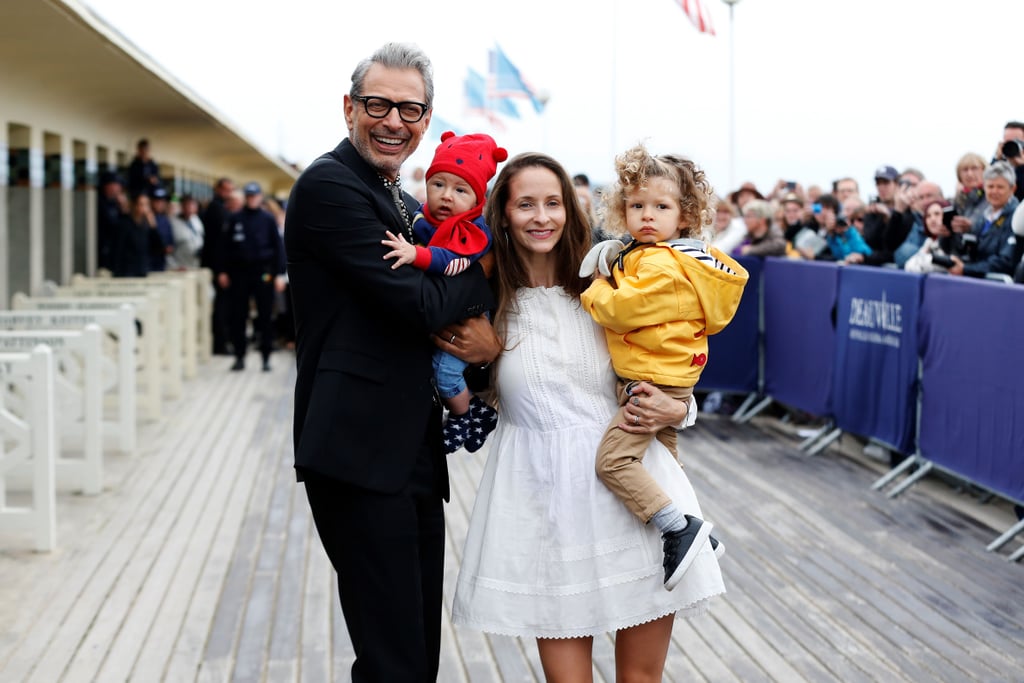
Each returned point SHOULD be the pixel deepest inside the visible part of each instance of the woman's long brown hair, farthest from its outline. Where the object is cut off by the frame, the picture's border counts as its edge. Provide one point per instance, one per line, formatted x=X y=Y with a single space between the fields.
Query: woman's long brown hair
x=510 y=270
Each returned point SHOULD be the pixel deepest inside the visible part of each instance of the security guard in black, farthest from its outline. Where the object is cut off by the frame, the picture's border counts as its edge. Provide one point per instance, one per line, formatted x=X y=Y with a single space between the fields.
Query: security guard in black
x=252 y=265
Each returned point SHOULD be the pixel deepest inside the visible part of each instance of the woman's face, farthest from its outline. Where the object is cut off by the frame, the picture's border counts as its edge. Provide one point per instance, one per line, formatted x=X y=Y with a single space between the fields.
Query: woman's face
x=998 y=192
x=933 y=221
x=970 y=175
x=535 y=210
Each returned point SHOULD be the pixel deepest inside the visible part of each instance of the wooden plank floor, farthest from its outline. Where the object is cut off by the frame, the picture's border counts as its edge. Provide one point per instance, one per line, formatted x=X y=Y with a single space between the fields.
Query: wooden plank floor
x=174 y=571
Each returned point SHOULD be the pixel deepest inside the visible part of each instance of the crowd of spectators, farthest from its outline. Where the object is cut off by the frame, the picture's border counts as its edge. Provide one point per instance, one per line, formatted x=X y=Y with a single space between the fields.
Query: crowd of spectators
x=142 y=227
x=977 y=230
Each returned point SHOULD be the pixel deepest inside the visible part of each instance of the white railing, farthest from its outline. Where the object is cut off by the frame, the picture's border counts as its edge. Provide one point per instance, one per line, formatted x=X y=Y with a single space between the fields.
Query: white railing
x=27 y=438
x=150 y=342
x=78 y=401
x=117 y=373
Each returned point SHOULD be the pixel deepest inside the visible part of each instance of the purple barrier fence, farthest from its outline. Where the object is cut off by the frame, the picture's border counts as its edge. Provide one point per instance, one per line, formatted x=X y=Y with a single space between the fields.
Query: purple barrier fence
x=874 y=383
x=972 y=382
x=799 y=342
x=734 y=354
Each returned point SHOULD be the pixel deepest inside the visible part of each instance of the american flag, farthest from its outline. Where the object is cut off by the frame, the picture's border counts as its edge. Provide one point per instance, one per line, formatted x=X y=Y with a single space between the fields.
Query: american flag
x=699 y=15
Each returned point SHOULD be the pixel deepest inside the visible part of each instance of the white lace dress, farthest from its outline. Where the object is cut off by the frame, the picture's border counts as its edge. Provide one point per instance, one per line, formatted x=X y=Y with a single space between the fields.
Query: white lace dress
x=550 y=551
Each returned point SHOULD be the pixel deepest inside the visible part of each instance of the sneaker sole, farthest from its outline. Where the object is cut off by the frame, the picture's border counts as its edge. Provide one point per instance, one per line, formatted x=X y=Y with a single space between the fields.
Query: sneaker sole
x=698 y=544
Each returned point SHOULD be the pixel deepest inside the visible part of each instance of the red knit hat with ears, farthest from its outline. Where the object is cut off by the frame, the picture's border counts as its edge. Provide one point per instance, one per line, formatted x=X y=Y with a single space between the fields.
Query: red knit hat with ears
x=474 y=158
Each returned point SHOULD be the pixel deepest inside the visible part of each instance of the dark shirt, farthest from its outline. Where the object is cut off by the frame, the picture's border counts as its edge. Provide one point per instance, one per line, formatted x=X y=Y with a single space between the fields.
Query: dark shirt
x=130 y=255
x=214 y=220
x=107 y=221
x=252 y=241
x=159 y=241
x=140 y=176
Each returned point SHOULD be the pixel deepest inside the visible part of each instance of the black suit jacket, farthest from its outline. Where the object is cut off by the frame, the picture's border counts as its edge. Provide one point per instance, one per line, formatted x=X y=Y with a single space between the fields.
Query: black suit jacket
x=364 y=398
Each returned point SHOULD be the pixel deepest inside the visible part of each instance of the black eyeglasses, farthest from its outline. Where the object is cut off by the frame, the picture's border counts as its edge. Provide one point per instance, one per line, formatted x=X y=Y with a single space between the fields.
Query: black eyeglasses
x=380 y=107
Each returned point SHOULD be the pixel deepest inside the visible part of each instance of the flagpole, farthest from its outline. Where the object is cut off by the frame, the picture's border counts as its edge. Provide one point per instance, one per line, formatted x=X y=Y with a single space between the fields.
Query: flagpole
x=732 y=97
x=614 y=79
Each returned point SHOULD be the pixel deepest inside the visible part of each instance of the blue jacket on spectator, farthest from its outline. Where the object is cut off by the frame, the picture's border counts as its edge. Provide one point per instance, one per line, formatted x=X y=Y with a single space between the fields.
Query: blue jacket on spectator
x=998 y=251
x=848 y=242
x=911 y=245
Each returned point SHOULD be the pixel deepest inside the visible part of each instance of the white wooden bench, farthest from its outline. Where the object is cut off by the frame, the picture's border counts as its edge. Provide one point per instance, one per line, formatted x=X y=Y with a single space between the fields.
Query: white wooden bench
x=181 y=295
x=202 y=280
x=168 y=304
x=117 y=374
x=30 y=440
x=78 y=401
x=148 y=373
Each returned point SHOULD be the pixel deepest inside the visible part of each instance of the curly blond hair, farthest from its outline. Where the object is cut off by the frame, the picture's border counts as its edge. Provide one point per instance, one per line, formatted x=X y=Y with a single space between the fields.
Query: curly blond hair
x=636 y=166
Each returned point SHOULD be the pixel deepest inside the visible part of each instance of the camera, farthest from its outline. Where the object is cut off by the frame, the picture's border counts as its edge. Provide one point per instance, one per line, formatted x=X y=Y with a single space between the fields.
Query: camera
x=1012 y=148
x=948 y=214
x=790 y=185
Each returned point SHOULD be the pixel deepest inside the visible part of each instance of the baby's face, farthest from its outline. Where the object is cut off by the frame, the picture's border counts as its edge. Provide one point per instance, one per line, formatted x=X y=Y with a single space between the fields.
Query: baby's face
x=448 y=195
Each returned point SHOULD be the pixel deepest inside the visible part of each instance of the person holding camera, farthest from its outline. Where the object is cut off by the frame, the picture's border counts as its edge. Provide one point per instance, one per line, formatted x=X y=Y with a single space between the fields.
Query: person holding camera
x=883 y=224
x=912 y=230
x=934 y=256
x=1011 y=150
x=997 y=248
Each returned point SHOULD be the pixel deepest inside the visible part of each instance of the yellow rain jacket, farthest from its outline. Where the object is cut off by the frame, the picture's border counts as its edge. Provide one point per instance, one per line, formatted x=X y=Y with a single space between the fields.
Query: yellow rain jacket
x=668 y=297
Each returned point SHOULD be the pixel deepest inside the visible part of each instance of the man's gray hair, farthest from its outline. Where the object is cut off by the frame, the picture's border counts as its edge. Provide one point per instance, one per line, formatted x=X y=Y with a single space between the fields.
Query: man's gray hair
x=1001 y=169
x=396 y=56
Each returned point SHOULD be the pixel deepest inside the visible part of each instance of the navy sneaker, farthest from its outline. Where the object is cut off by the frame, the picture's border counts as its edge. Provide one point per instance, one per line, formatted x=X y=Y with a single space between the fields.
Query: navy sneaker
x=717 y=546
x=682 y=546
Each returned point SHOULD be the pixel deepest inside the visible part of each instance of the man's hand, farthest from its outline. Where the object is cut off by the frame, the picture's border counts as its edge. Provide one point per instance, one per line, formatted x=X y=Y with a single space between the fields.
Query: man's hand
x=223 y=281
x=403 y=252
x=473 y=340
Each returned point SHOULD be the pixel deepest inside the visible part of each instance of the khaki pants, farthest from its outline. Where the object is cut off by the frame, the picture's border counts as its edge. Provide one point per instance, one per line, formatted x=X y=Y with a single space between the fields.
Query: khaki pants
x=620 y=458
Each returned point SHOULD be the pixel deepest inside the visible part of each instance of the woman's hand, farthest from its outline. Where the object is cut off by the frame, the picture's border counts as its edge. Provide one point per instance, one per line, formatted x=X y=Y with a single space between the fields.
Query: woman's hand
x=649 y=409
x=473 y=340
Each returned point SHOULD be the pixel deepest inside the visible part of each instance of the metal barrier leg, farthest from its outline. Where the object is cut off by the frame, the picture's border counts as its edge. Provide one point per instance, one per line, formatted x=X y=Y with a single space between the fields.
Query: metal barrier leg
x=1006 y=536
x=810 y=441
x=765 y=402
x=1019 y=553
x=751 y=397
x=925 y=468
x=825 y=441
x=893 y=473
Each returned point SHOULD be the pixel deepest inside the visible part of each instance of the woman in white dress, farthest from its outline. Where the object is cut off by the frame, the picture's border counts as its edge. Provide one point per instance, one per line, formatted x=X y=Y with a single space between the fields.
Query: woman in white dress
x=551 y=553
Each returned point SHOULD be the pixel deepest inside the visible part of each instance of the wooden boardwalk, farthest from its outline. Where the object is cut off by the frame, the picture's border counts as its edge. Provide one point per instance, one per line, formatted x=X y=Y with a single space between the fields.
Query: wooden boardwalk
x=172 y=573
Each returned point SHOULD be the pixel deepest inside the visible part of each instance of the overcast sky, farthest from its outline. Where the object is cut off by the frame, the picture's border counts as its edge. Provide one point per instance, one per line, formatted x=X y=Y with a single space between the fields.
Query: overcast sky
x=823 y=88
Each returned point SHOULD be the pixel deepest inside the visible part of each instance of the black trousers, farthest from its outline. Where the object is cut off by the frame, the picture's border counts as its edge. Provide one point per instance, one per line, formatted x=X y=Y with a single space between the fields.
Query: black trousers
x=388 y=551
x=246 y=285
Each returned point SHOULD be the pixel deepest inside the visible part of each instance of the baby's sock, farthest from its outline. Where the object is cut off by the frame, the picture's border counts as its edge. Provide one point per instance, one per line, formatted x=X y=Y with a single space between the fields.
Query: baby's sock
x=669 y=518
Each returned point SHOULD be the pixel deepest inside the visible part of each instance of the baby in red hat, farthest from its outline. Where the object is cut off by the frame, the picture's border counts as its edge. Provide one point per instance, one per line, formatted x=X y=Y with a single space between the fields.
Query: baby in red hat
x=452 y=226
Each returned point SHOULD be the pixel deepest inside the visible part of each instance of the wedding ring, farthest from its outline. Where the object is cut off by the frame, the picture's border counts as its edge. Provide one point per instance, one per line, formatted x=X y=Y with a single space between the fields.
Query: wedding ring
x=636 y=419
x=452 y=340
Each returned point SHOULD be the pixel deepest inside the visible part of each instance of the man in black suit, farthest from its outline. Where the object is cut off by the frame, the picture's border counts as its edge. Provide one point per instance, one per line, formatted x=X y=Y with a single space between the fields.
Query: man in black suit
x=367 y=427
